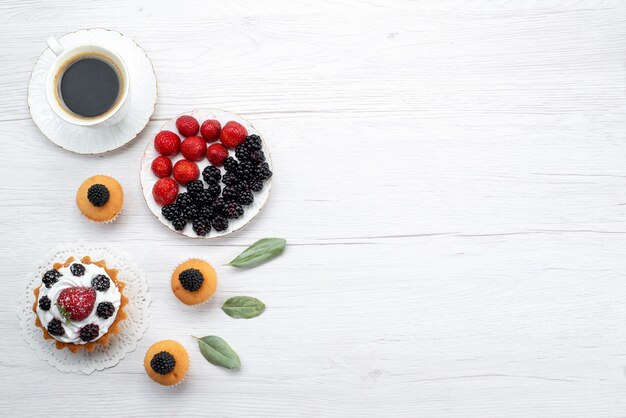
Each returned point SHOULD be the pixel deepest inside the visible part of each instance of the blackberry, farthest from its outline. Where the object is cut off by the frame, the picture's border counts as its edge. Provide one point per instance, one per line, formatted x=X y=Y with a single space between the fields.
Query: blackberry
x=55 y=327
x=101 y=283
x=190 y=213
x=50 y=277
x=254 y=142
x=89 y=332
x=201 y=226
x=204 y=198
x=98 y=195
x=230 y=164
x=218 y=206
x=105 y=310
x=220 y=223
x=77 y=269
x=179 y=224
x=230 y=178
x=263 y=174
x=171 y=212
x=206 y=212
x=214 y=189
x=195 y=187
x=44 y=303
x=256 y=185
x=233 y=210
x=191 y=279
x=183 y=200
x=163 y=362
x=242 y=152
x=246 y=171
x=211 y=174
x=229 y=193
x=256 y=156
x=245 y=197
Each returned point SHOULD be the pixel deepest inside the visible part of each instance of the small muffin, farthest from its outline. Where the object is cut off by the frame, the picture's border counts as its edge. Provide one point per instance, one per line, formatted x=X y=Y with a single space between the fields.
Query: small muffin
x=166 y=362
x=194 y=282
x=100 y=198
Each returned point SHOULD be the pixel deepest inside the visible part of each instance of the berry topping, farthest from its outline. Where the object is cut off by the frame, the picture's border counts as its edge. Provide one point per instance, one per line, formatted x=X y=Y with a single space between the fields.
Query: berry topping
x=195 y=187
x=193 y=148
x=191 y=279
x=55 y=327
x=211 y=174
x=105 y=310
x=77 y=269
x=245 y=197
x=187 y=125
x=44 y=303
x=163 y=362
x=231 y=164
x=164 y=191
x=186 y=171
x=233 y=134
x=220 y=223
x=217 y=154
x=162 y=166
x=89 y=332
x=201 y=226
x=179 y=224
x=101 y=283
x=232 y=210
x=183 y=200
x=167 y=143
x=50 y=277
x=171 y=212
x=76 y=303
x=210 y=130
x=98 y=195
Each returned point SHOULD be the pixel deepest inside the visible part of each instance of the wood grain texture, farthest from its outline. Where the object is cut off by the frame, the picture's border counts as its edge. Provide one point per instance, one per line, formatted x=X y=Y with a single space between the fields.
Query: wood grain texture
x=449 y=176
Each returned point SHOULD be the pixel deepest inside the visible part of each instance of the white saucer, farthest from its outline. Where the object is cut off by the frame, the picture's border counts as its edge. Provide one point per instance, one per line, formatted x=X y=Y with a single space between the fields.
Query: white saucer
x=86 y=140
x=148 y=178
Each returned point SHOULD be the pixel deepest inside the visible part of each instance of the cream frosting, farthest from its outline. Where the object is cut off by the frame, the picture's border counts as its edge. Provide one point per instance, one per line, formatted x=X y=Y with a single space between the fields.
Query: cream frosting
x=72 y=328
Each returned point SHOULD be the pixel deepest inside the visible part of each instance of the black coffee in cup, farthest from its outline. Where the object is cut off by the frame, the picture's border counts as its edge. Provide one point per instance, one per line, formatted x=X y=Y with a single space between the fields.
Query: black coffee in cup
x=89 y=86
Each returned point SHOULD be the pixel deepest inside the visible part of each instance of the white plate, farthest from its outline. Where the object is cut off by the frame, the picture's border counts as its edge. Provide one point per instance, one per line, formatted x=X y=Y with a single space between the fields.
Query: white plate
x=148 y=178
x=86 y=140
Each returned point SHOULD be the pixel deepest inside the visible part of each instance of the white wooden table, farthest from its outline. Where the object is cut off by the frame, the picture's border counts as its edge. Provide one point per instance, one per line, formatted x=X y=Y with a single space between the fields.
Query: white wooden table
x=450 y=178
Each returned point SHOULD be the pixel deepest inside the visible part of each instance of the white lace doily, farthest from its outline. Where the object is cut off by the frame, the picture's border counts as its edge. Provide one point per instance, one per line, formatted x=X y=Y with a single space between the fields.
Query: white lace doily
x=131 y=329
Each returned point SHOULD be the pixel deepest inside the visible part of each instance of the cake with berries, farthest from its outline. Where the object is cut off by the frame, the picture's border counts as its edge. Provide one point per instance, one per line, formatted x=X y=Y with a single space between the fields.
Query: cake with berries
x=100 y=199
x=166 y=362
x=79 y=304
x=194 y=282
x=209 y=173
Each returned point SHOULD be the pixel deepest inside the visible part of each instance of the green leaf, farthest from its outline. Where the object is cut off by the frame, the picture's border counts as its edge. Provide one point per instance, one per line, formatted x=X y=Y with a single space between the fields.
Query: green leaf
x=67 y=315
x=243 y=307
x=218 y=352
x=260 y=252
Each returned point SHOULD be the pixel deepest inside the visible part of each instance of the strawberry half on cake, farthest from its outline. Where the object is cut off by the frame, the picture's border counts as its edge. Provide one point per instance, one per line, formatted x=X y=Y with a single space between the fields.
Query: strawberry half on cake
x=79 y=304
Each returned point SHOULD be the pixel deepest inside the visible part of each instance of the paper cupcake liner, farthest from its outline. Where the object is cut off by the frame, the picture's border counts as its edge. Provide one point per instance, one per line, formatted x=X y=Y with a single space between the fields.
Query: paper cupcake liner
x=131 y=329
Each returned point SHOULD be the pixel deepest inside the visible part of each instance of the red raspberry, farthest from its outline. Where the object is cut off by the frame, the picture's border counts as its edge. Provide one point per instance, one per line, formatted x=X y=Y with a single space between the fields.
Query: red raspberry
x=216 y=154
x=186 y=171
x=165 y=191
x=233 y=134
x=167 y=143
x=162 y=166
x=187 y=125
x=76 y=303
x=210 y=130
x=193 y=148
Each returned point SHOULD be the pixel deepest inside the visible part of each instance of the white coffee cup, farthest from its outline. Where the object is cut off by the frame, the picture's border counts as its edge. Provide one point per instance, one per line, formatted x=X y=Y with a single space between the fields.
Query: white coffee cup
x=65 y=58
